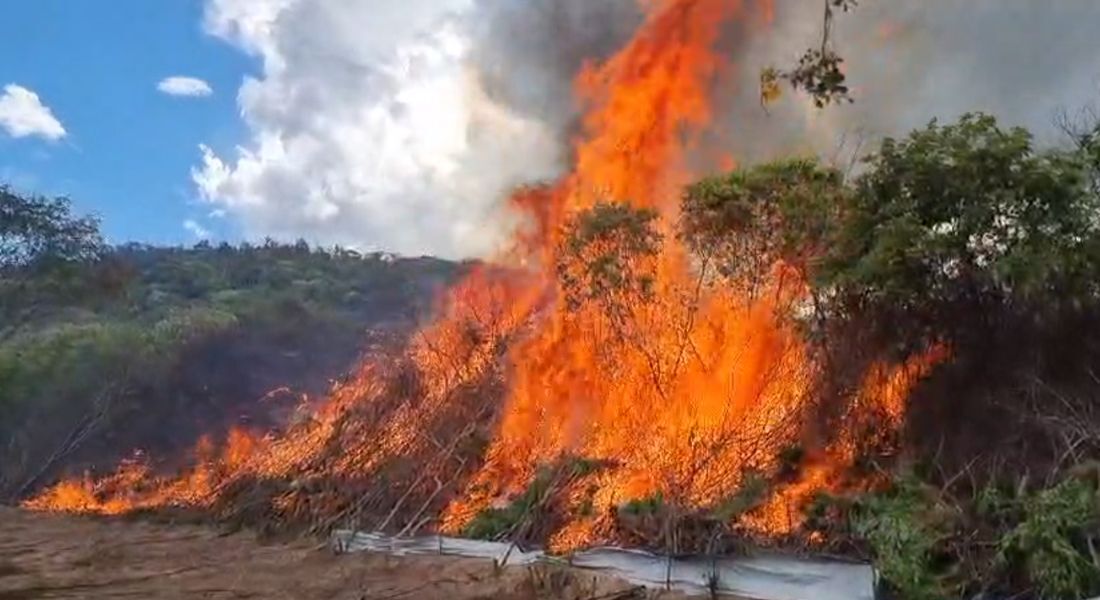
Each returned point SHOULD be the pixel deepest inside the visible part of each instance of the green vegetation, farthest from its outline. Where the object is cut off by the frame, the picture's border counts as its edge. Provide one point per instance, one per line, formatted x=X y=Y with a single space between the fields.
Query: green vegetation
x=101 y=348
x=650 y=505
x=536 y=501
x=37 y=233
x=967 y=211
x=1051 y=542
x=495 y=523
x=752 y=492
x=947 y=218
x=748 y=220
x=927 y=544
x=903 y=527
x=604 y=254
x=819 y=72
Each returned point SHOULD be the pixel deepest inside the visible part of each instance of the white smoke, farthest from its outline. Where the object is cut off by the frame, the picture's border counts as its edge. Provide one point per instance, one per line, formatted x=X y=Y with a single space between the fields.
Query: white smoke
x=369 y=128
x=402 y=125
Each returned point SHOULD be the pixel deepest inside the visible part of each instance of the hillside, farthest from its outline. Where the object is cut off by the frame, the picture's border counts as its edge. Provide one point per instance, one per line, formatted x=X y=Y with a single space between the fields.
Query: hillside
x=148 y=348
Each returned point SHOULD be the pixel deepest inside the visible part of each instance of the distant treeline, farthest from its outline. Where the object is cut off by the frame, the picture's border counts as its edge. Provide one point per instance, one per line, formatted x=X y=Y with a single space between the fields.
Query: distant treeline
x=106 y=349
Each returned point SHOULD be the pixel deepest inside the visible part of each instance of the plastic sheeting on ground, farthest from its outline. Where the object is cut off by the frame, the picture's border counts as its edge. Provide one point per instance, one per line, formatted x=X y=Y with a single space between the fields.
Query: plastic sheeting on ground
x=769 y=577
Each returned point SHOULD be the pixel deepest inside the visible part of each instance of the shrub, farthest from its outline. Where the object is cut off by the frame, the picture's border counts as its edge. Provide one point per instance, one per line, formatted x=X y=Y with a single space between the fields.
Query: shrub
x=964 y=215
x=903 y=527
x=1046 y=544
x=494 y=523
x=753 y=490
x=748 y=221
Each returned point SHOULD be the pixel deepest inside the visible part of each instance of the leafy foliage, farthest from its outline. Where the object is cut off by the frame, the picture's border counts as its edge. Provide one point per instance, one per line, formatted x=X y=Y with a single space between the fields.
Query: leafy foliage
x=752 y=492
x=650 y=505
x=949 y=220
x=108 y=349
x=903 y=527
x=609 y=252
x=1036 y=540
x=494 y=523
x=36 y=230
x=1048 y=542
x=819 y=71
x=748 y=221
x=963 y=212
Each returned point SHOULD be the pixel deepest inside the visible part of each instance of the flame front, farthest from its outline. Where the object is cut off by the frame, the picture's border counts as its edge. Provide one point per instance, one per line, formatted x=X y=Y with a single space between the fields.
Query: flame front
x=683 y=393
x=693 y=385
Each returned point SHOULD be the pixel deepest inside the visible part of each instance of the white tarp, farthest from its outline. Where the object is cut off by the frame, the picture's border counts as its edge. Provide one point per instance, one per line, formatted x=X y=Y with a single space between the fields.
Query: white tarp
x=757 y=577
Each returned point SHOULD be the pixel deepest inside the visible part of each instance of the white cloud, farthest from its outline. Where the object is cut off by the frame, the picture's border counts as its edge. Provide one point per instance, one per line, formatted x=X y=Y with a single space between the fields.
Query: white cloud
x=248 y=23
x=184 y=86
x=368 y=129
x=22 y=114
x=197 y=230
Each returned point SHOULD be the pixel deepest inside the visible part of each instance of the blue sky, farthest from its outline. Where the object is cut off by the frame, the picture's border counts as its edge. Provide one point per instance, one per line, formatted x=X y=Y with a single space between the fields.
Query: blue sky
x=128 y=148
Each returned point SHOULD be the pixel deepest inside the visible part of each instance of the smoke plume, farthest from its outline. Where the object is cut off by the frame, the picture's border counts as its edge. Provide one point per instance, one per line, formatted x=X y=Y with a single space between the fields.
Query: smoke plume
x=403 y=125
x=910 y=62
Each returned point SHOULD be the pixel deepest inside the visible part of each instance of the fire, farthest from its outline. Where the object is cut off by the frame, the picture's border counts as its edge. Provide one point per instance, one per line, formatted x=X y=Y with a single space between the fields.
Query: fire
x=694 y=389
x=684 y=393
x=133 y=486
x=642 y=101
x=690 y=388
x=884 y=391
x=364 y=423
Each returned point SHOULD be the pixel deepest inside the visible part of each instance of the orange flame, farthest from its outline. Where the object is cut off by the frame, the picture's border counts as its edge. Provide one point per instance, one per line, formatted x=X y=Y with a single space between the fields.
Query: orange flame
x=698 y=385
x=885 y=389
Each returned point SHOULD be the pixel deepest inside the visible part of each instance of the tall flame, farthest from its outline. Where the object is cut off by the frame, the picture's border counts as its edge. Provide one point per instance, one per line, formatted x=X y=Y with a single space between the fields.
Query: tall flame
x=697 y=385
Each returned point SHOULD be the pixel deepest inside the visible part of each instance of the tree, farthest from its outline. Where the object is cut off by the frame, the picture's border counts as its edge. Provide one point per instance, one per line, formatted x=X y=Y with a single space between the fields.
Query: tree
x=954 y=220
x=35 y=231
x=748 y=221
x=609 y=255
x=96 y=357
x=967 y=213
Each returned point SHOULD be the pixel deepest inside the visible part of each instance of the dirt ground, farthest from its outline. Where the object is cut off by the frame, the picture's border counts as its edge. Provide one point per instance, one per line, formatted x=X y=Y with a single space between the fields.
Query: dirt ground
x=57 y=556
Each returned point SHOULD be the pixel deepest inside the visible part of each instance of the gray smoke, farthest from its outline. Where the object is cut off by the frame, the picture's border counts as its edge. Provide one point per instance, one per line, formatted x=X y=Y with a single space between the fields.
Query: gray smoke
x=909 y=62
x=402 y=125
x=528 y=52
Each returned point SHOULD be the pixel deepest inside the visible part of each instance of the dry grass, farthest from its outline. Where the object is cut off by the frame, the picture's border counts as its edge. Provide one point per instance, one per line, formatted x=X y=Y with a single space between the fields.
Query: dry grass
x=53 y=556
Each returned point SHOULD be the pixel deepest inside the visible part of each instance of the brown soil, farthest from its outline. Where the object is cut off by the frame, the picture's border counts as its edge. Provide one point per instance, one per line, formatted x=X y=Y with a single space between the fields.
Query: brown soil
x=58 y=556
